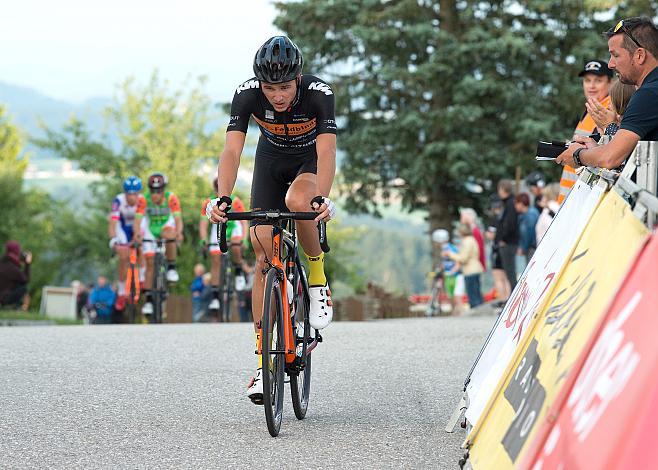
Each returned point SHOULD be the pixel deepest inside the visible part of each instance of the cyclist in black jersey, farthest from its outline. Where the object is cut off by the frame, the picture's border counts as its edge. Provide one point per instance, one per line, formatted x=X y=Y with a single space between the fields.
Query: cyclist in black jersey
x=294 y=167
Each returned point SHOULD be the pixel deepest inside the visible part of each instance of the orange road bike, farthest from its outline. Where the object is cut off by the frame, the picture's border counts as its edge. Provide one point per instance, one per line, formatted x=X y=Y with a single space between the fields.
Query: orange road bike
x=286 y=339
x=133 y=288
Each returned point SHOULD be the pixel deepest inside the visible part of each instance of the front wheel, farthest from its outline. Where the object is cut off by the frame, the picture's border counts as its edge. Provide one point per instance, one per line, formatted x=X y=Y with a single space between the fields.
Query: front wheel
x=300 y=384
x=273 y=350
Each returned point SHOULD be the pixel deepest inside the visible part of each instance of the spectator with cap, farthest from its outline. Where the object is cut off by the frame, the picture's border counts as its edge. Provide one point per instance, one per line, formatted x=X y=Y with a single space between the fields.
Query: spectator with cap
x=13 y=279
x=528 y=216
x=633 y=46
x=597 y=78
x=536 y=183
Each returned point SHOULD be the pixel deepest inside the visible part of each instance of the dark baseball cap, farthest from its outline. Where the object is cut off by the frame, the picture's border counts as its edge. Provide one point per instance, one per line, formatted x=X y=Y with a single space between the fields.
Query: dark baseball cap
x=597 y=67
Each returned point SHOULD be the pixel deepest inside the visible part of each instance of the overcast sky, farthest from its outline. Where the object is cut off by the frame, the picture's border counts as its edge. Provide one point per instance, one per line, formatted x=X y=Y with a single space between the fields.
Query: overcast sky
x=78 y=49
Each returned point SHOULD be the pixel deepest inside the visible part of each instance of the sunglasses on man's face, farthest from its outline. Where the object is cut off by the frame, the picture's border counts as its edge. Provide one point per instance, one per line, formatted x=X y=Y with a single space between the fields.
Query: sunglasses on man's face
x=621 y=26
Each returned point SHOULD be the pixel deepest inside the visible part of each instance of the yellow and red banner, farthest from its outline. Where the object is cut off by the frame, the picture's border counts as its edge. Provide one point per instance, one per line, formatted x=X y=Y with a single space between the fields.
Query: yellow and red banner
x=607 y=414
x=584 y=290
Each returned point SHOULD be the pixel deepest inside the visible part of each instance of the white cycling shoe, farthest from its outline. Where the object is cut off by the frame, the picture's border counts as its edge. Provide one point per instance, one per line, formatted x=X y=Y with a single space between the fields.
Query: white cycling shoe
x=322 y=310
x=255 y=388
x=172 y=275
x=147 y=308
x=214 y=304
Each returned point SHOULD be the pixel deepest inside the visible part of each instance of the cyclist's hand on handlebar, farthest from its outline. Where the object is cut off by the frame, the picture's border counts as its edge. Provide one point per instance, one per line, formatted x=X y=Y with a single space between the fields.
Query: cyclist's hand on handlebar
x=325 y=208
x=216 y=209
x=179 y=237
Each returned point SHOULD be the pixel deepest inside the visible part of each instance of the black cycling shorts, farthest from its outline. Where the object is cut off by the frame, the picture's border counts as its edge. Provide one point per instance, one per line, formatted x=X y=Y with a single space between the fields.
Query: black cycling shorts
x=273 y=176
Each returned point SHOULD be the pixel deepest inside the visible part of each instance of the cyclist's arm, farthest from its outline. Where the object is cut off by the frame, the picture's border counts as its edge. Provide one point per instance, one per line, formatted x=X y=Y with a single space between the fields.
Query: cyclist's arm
x=111 y=228
x=229 y=162
x=174 y=206
x=326 y=150
x=203 y=221
x=139 y=215
x=114 y=218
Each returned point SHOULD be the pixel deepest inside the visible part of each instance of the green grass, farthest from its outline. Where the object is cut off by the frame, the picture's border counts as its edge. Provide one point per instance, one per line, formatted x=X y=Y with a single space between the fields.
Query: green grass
x=34 y=316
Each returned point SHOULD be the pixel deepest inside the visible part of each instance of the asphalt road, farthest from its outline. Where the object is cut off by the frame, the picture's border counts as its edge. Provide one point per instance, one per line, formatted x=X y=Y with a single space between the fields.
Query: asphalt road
x=162 y=396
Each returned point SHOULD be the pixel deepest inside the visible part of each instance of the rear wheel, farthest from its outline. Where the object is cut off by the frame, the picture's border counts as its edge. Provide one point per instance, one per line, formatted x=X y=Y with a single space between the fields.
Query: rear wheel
x=274 y=361
x=300 y=384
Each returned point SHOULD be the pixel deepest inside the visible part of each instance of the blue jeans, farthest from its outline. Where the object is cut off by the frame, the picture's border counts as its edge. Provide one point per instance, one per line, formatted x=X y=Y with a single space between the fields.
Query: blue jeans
x=472 y=283
x=197 y=309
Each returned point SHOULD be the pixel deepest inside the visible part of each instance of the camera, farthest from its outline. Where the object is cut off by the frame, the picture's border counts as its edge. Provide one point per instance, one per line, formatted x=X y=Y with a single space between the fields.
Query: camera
x=550 y=150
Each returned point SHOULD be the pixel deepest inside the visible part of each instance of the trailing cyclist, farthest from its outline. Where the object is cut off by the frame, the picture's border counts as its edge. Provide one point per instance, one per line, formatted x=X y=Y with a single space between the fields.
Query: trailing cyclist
x=235 y=232
x=121 y=229
x=159 y=214
x=294 y=167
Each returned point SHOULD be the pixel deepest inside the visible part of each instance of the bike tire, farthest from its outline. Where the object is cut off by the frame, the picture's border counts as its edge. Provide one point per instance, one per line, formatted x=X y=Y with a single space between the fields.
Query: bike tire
x=300 y=383
x=132 y=309
x=272 y=335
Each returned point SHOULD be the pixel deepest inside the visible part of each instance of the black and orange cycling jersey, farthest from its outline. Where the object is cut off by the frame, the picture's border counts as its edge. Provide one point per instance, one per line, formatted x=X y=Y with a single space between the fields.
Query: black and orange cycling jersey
x=293 y=131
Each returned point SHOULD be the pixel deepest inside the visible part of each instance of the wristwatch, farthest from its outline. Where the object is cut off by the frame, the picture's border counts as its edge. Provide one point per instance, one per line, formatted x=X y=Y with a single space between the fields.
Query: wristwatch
x=576 y=156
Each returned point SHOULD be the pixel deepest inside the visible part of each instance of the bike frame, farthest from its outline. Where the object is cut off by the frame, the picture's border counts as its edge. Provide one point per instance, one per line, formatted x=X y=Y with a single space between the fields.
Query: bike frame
x=277 y=263
x=132 y=276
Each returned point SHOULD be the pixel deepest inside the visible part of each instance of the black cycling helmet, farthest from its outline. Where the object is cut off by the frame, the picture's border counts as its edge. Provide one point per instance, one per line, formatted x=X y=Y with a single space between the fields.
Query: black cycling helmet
x=157 y=181
x=278 y=60
x=536 y=178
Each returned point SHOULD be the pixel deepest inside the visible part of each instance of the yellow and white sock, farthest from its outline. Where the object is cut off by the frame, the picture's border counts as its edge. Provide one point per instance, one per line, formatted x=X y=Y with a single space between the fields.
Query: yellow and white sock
x=316 y=264
x=260 y=356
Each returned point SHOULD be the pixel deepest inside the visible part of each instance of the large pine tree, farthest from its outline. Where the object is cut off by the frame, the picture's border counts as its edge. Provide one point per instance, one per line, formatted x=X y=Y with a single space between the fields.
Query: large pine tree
x=431 y=94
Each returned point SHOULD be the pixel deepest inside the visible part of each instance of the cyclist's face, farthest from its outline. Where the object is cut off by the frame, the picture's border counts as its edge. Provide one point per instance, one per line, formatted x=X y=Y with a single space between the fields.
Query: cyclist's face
x=157 y=197
x=280 y=95
x=131 y=198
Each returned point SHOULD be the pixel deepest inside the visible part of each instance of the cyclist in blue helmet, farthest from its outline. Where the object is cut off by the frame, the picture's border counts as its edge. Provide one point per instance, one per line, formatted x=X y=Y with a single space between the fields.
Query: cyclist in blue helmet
x=120 y=230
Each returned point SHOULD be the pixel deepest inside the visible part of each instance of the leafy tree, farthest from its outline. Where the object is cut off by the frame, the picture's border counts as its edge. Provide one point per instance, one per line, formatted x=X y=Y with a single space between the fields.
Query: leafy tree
x=149 y=128
x=45 y=227
x=431 y=93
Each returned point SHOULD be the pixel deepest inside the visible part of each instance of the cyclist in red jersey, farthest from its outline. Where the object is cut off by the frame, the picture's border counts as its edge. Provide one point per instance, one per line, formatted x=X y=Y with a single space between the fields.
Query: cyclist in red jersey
x=235 y=233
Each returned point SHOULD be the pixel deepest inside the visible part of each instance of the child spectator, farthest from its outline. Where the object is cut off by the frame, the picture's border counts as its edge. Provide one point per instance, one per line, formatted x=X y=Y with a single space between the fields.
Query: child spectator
x=468 y=258
x=551 y=207
x=197 y=291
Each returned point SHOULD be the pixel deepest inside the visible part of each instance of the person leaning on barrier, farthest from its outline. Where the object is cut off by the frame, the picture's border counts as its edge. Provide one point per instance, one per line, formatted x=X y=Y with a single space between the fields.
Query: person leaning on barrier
x=633 y=46
x=13 y=279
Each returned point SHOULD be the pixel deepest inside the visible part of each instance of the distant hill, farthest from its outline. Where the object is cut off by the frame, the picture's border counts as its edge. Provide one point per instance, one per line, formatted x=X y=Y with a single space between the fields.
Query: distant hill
x=30 y=108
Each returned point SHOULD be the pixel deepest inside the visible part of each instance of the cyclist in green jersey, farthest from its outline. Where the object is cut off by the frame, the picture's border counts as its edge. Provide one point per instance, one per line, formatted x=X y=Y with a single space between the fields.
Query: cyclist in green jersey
x=159 y=214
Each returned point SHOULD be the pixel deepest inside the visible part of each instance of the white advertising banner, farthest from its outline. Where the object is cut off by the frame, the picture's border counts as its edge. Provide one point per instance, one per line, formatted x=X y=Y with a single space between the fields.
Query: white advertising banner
x=536 y=283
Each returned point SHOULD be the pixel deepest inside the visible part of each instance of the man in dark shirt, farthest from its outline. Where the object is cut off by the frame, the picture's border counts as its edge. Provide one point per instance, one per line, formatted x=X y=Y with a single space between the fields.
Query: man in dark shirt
x=507 y=231
x=13 y=280
x=633 y=46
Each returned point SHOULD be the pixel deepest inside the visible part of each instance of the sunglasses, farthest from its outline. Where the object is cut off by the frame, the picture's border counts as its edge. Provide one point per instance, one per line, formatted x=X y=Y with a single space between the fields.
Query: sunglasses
x=621 y=26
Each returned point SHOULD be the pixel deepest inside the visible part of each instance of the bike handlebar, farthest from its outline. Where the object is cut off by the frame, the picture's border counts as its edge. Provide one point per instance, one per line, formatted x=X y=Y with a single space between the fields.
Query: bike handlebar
x=272 y=215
